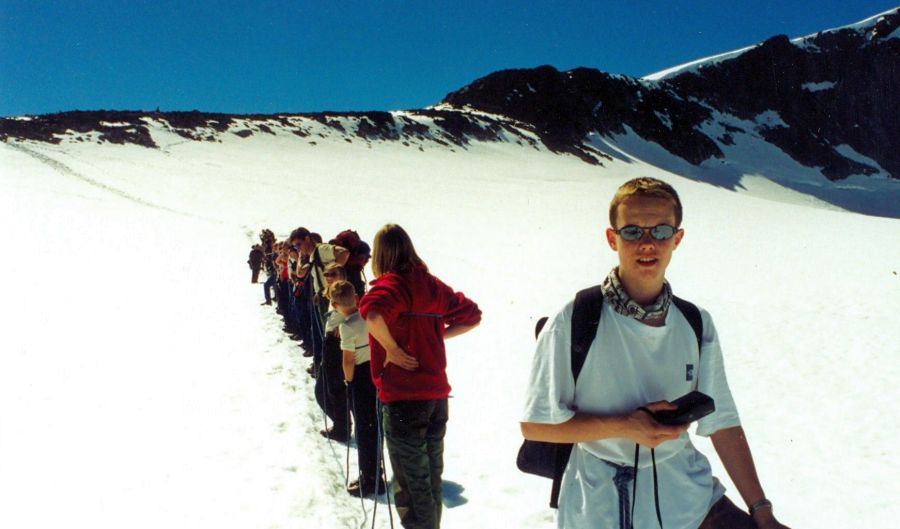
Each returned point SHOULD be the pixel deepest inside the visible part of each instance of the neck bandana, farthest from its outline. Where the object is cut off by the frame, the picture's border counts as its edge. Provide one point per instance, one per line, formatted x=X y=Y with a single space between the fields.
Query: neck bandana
x=614 y=294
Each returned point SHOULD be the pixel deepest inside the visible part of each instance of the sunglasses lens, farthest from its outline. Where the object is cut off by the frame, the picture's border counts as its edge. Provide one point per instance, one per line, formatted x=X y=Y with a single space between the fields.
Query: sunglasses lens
x=662 y=232
x=631 y=232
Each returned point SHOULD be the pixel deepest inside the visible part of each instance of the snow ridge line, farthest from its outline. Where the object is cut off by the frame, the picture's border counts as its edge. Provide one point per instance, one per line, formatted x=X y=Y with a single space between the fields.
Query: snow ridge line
x=62 y=168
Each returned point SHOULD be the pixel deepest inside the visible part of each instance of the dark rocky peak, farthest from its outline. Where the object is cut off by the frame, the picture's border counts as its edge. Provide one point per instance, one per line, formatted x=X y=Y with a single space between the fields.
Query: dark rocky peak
x=826 y=101
x=834 y=89
x=564 y=107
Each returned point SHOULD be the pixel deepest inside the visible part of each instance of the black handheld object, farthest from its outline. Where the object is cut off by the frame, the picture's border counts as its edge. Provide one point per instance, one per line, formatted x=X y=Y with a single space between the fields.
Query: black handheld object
x=691 y=407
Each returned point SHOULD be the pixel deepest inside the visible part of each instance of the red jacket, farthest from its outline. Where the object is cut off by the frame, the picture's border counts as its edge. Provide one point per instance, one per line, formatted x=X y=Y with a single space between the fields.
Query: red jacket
x=416 y=307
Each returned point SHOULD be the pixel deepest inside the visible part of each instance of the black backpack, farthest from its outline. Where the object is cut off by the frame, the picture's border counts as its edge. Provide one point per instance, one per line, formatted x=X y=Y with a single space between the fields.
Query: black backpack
x=549 y=460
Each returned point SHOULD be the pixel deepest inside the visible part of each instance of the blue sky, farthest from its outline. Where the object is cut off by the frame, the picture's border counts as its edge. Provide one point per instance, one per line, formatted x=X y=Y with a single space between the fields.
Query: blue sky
x=269 y=56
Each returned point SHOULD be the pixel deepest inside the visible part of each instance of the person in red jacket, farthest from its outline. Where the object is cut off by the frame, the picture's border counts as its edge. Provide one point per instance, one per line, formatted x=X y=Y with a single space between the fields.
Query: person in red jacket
x=409 y=313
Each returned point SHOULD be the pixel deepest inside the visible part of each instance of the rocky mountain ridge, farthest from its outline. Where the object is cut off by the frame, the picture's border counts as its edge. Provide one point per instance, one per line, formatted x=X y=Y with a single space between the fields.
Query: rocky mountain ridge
x=825 y=100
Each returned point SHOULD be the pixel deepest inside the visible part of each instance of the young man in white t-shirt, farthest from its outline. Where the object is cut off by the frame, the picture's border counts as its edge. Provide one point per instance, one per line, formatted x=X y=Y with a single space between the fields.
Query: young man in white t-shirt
x=644 y=356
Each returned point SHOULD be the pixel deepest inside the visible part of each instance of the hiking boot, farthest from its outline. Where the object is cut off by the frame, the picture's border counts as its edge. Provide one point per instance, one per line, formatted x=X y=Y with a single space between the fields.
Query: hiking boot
x=335 y=435
x=312 y=371
x=295 y=337
x=307 y=353
x=367 y=489
x=266 y=303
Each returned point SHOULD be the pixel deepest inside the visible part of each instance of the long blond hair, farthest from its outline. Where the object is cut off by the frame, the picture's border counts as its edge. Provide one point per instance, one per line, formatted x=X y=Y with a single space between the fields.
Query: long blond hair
x=393 y=251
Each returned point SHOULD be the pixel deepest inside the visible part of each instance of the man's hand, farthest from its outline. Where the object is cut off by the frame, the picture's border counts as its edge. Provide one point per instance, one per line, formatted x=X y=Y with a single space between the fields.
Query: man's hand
x=647 y=432
x=397 y=356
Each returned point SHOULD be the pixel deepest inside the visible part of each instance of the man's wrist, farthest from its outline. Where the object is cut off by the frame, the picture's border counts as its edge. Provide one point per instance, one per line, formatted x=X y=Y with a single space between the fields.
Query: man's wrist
x=761 y=509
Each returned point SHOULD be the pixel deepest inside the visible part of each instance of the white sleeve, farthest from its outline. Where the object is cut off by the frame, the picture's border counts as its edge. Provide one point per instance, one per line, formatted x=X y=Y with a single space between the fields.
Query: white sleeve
x=332 y=319
x=348 y=337
x=551 y=388
x=714 y=383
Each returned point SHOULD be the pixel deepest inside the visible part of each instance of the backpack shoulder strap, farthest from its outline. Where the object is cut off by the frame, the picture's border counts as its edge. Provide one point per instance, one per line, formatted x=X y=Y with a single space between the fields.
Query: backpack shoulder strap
x=692 y=313
x=585 y=320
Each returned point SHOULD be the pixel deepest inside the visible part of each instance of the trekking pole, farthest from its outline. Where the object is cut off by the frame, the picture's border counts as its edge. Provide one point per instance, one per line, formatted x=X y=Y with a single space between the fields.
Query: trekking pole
x=383 y=471
x=347 y=391
x=319 y=333
x=362 y=503
x=380 y=467
x=379 y=454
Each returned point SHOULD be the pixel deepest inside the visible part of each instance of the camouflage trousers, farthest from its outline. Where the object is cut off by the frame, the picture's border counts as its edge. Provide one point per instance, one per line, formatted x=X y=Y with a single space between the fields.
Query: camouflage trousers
x=414 y=431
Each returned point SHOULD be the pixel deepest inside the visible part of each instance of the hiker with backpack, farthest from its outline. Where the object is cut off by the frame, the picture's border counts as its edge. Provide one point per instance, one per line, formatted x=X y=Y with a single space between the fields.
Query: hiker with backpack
x=359 y=255
x=282 y=283
x=409 y=313
x=255 y=261
x=319 y=256
x=269 y=255
x=603 y=383
x=314 y=275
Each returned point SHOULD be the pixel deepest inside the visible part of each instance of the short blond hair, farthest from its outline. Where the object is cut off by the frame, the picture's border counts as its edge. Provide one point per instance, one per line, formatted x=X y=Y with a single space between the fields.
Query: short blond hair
x=644 y=187
x=342 y=293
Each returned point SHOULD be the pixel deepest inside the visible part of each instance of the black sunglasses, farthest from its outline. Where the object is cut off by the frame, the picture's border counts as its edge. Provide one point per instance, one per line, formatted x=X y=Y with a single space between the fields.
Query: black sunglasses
x=660 y=232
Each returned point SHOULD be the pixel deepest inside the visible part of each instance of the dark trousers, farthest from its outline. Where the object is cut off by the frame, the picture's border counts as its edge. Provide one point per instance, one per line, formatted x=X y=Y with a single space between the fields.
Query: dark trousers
x=726 y=515
x=331 y=394
x=283 y=296
x=414 y=431
x=267 y=286
x=362 y=400
x=254 y=274
x=314 y=323
x=300 y=317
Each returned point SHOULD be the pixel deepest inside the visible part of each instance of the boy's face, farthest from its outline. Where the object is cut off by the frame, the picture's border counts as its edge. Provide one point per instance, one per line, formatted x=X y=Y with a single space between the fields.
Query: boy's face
x=643 y=263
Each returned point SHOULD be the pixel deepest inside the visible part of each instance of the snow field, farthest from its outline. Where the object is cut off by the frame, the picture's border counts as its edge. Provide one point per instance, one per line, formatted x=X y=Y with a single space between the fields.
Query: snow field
x=141 y=384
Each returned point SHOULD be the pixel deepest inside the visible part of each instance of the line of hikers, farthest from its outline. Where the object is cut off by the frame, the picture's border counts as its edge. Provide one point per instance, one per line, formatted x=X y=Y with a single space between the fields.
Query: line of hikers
x=378 y=354
x=644 y=361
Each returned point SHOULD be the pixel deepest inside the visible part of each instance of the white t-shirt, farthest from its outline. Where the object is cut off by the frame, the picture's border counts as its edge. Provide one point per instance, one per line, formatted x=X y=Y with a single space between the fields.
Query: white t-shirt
x=629 y=365
x=355 y=337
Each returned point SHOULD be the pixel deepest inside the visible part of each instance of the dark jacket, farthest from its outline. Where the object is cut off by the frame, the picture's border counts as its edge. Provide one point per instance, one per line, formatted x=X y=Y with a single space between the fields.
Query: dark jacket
x=256 y=258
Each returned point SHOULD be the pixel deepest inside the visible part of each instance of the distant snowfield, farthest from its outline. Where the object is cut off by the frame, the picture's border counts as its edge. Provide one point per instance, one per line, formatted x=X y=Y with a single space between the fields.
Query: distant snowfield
x=142 y=385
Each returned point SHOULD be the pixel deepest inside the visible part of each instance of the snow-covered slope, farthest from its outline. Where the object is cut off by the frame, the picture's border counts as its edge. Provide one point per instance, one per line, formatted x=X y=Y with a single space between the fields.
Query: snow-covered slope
x=142 y=385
